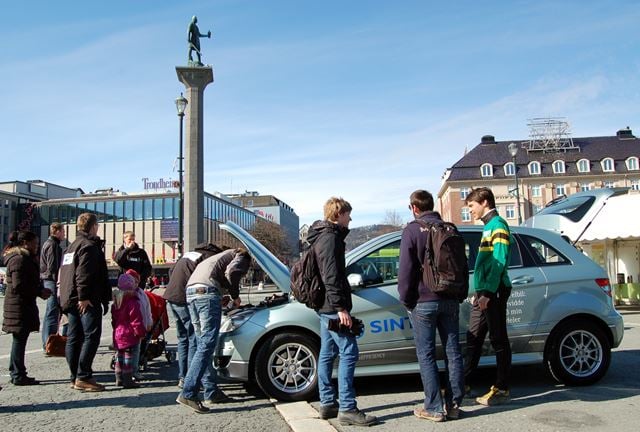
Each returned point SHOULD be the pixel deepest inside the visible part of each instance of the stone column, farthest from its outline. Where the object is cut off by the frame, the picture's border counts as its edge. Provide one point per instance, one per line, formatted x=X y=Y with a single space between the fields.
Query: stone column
x=195 y=79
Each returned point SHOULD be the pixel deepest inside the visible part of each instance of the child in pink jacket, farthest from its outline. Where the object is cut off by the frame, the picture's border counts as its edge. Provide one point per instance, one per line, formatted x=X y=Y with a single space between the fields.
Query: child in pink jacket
x=128 y=328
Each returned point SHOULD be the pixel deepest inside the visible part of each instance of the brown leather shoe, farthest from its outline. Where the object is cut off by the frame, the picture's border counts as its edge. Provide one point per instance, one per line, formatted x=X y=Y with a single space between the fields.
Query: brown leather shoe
x=89 y=385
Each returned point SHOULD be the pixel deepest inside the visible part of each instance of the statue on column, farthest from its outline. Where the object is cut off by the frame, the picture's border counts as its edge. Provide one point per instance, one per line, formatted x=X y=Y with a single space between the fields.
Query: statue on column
x=194 y=41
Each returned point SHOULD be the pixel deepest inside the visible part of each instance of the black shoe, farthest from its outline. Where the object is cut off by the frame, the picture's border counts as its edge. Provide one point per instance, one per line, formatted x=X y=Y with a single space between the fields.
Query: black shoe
x=25 y=381
x=355 y=417
x=328 y=411
x=194 y=404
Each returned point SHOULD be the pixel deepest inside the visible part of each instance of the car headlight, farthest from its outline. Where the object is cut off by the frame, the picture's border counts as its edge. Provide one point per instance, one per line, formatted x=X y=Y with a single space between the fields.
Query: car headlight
x=235 y=321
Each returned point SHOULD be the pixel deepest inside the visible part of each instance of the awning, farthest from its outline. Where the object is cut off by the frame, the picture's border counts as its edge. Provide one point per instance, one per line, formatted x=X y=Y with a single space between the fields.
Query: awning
x=619 y=219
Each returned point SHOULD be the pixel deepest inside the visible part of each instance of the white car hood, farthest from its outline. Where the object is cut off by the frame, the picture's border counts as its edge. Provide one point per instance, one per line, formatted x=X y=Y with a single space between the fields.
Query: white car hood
x=277 y=271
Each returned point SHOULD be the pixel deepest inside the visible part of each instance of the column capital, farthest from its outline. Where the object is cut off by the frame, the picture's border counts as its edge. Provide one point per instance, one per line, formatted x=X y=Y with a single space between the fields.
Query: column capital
x=195 y=76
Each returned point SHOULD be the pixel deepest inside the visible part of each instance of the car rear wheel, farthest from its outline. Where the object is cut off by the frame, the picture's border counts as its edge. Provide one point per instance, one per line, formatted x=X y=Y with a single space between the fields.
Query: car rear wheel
x=287 y=367
x=578 y=353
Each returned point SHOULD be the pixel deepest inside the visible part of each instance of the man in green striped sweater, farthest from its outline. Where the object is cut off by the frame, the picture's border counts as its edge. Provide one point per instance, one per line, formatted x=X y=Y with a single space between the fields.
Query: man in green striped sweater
x=492 y=289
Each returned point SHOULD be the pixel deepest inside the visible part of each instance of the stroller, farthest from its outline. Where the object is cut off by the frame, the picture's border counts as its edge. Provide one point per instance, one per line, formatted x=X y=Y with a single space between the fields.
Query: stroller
x=154 y=344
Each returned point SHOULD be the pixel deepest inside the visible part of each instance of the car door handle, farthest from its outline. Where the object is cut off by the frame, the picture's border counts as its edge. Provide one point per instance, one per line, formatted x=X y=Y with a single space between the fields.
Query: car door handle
x=522 y=280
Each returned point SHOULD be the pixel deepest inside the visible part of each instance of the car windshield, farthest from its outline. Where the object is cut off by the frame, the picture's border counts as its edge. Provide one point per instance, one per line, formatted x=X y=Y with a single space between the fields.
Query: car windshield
x=573 y=209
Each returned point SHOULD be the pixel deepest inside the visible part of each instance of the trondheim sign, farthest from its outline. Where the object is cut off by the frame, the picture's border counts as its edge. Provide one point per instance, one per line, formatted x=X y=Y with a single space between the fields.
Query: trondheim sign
x=160 y=184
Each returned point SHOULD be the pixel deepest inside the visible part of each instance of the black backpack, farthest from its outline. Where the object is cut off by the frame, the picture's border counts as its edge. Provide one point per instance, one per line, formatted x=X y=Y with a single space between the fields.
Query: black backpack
x=306 y=284
x=445 y=269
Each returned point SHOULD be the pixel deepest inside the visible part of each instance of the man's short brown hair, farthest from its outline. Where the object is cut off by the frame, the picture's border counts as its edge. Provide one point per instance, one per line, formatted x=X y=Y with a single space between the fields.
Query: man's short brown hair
x=480 y=195
x=86 y=221
x=422 y=199
x=334 y=207
x=128 y=234
x=55 y=228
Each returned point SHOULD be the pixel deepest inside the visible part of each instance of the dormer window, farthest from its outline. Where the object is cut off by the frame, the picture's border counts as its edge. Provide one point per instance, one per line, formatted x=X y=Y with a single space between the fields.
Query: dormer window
x=632 y=163
x=558 y=167
x=607 y=165
x=486 y=170
x=534 y=168
x=584 y=166
x=509 y=169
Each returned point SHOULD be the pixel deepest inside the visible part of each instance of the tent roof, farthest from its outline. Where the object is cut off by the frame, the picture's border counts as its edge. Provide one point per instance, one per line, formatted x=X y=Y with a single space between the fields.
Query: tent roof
x=617 y=220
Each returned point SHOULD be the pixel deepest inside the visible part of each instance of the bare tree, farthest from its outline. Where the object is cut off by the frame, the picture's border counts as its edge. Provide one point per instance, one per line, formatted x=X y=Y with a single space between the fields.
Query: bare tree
x=273 y=237
x=391 y=217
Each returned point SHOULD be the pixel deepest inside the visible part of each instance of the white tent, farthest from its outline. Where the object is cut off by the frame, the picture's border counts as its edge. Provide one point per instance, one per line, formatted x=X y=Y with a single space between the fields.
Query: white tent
x=618 y=219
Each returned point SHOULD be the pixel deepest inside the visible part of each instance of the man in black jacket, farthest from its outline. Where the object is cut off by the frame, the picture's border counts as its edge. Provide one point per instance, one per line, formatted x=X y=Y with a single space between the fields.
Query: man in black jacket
x=50 y=258
x=327 y=239
x=176 y=296
x=84 y=293
x=132 y=256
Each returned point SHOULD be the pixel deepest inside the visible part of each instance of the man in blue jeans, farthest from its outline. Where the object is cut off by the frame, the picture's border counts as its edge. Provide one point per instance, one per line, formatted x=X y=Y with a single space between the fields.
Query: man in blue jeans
x=85 y=293
x=327 y=239
x=429 y=312
x=50 y=259
x=176 y=297
x=214 y=277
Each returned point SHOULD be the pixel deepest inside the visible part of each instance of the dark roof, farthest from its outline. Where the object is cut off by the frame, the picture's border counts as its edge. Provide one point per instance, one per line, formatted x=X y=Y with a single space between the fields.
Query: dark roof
x=594 y=149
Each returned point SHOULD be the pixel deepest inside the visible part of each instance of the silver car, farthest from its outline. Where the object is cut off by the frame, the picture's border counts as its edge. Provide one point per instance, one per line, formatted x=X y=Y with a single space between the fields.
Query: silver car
x=560 y=312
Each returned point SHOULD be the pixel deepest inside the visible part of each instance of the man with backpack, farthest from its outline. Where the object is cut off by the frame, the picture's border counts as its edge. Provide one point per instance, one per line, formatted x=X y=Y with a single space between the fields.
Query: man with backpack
x=432 y=281
x=493 y=288
x=327 y=240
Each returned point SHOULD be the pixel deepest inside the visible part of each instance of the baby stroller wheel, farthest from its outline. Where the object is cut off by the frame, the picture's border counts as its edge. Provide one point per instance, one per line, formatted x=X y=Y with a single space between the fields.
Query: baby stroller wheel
x=112 y=365
x=171 y=356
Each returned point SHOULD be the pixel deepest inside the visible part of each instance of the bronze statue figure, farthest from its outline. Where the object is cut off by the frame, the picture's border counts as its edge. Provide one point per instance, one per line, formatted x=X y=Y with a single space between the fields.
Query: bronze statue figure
x=194 y=41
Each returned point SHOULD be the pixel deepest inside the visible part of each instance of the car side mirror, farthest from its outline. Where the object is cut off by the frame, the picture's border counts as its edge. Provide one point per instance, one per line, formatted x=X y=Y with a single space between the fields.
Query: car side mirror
x=355 y=280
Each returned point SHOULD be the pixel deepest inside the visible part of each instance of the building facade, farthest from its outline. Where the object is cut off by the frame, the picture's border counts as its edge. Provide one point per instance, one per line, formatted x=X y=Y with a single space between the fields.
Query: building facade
x=153 y=217
x=274 y=210
x=17 y=203
x=544 y=172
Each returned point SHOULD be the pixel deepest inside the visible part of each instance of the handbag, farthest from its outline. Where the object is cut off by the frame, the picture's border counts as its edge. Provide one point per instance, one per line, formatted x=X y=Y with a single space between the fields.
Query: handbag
x=56 y=344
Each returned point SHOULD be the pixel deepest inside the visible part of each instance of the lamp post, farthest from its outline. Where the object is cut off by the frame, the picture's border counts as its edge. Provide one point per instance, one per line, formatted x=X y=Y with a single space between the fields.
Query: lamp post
x=513 y=149
x=181 y=104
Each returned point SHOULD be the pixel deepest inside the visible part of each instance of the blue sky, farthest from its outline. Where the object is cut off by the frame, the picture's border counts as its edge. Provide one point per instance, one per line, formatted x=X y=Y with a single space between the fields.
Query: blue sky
x=368 y=100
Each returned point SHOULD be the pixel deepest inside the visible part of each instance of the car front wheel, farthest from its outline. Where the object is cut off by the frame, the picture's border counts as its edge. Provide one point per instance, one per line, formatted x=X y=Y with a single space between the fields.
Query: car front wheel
x=578 y=353
x=287 y=367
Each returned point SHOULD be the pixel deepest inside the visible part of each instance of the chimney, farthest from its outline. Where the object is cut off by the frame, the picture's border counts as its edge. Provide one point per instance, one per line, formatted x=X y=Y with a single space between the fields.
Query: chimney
x=625 y=134
x=488 y=139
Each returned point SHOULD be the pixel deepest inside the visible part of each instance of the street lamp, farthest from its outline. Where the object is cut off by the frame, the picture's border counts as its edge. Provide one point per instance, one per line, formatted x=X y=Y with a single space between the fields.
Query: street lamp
x=181 y=104
x=513 y=149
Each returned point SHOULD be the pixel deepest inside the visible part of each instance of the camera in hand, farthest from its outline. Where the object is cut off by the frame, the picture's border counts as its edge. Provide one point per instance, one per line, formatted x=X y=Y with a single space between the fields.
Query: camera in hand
x=356 y=329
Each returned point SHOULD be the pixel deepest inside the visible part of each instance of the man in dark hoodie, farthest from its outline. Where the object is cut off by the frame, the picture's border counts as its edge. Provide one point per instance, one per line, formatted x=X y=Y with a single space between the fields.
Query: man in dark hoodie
x=327 y=239
x=429 y=311
x=84 y=293
x=176 y=296
x=132 y=256
x=50 y=258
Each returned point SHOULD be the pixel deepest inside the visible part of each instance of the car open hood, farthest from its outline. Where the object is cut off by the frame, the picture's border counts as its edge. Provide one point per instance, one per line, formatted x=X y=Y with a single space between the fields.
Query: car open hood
x=573 y=215
x=278 y=272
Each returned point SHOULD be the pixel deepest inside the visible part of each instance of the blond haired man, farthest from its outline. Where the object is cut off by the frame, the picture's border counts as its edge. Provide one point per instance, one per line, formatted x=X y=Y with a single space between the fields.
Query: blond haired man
x=84 y=293
x=327 y=237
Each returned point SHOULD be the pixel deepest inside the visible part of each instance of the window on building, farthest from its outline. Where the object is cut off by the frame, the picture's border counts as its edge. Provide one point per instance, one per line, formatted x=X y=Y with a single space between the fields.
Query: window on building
x=607 y=165
x=157 y=208
x=560 y=190
x=465 y=214
x=100 y=211
x=609 y=184
x=128 y=210
x=509 y=169
x=510 y=211
x=63 y=212
x=109 y=211
x=148 y=209
x=464 y=192
x=632 y=163
x=119 y=210
x=73 y=213
x=635 y=184
x=584 y=165
x=536 y=190
x=486 y=170
x=168 y=208
x=534 y=167
x=585 y=187
x=535 y=208
x=558 y=167
x=137 y=210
